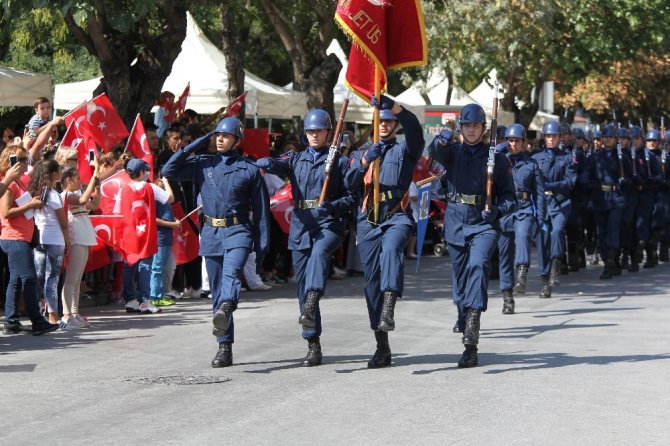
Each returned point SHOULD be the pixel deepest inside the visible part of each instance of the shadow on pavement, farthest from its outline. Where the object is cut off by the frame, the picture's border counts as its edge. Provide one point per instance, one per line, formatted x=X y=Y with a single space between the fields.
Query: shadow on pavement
x=530 y=331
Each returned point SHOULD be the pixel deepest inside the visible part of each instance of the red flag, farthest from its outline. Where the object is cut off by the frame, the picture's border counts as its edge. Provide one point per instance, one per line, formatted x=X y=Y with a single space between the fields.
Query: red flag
x=256 y=143
x=234 y=107
x=139 y=235
x=82 y=144
x=99 y=119
x=110 y=192
x=139 y=146
x=107 y=232
x=281 y=207
x=180 y=105
x=186 y=244
x=374 y=27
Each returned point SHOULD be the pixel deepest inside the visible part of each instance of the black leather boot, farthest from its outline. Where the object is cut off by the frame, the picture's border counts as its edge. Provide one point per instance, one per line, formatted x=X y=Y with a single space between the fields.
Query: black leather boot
x=564 y=266
x=555 y=272
x=469 y=357
x=624 y=259
x=521 y=278
x=221 y=318
x=545 y=292
x=633 y=265
x=663 y=253
x=314 y=354
x=387 y=323
x=508 y=302
x=573 y=259
x=639 y=251
x=457 y=328
x=471 y=332
x=224 y=356
x=308 y=317
x=382 y=356
x=616 y=262
x=652 y=259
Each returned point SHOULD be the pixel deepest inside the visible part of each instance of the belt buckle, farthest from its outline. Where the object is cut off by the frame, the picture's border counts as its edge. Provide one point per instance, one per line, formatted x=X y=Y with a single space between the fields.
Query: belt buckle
x=310 y=204
x=468 y=199
x=548 y=192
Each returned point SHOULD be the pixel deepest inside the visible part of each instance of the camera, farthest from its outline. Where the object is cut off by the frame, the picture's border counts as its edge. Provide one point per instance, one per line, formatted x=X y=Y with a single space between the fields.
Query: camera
x=13 y=159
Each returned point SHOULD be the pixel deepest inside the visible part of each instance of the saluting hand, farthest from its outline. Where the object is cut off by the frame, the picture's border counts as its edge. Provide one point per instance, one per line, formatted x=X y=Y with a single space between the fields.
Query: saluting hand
x=445 y=137
x=385 y=103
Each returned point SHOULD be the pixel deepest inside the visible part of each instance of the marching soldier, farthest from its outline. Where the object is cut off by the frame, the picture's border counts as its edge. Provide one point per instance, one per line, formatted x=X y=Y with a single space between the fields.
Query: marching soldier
x=236 y=208
x=517 y=227
x=317 y=230
x=630 y=193
x=471 y=232
x=559 y=178
x=578 y=198
x=381 y=243
x=606 y=175
x=662 y=200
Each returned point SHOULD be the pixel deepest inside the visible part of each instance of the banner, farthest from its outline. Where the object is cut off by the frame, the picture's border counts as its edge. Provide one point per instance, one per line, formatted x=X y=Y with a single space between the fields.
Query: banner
x=98 y=119
x=422 y=223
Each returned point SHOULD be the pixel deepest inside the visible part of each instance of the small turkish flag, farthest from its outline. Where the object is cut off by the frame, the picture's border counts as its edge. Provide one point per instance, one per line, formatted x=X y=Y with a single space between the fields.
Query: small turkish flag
x=234 y=107
x=186 y=244
x=99 y=119
x=82 y=144
x=110 y=192
x=139 y=146
x=107 y=232
x=180 y=105
x=139 y=236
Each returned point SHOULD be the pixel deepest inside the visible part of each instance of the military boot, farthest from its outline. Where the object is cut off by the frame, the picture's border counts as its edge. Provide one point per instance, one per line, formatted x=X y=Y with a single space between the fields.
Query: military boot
x=545 y=292
x=469 y=357
x=521 y=278
x=564 y=266
x=663 y=253
x=639 y=251
x=382 y=356
x=387 y=323
x=555 y=272
x=471 y=332
x=457 y=327
x=224 y=356
x=508 y=302
x=607 y=271
x=633 y=266
x=573 y=260
x=582 y=257
x=625 y=259
x=616 y=262
x=308 y=317
x=314 y=354
x=650 y=250
x=221 y=318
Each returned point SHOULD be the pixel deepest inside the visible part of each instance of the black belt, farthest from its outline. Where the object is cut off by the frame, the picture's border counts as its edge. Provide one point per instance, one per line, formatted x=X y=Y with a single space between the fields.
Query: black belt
x=522 y=195
x=639 y=188
x=471 y=200
x=224 y=222
x=397 y=208
x=608 y=187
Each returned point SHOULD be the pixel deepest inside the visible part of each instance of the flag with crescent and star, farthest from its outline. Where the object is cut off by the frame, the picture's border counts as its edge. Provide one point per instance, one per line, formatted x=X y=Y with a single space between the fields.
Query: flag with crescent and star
x=82 y=144
x=186 y=244
x=387 y=34
x=98 y=118
x=234 y=107
x=139 y=237
x=180 y=105
x=107 y=232
x=110 y=192
x=139 y=146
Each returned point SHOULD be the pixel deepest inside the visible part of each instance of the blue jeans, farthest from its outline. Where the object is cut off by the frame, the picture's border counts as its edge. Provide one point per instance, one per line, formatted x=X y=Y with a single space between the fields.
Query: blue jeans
x=158 y=264
x=48 y=263
x=143 y=269
x=21 y=276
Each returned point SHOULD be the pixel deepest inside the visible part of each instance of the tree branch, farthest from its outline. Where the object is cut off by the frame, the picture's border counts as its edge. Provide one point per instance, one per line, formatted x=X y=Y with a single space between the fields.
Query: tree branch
x=79 y=34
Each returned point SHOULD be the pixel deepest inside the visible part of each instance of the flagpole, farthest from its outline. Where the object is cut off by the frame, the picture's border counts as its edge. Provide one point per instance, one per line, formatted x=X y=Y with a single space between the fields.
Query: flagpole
x=375 y=140
x=125 y=150
x=187 y=215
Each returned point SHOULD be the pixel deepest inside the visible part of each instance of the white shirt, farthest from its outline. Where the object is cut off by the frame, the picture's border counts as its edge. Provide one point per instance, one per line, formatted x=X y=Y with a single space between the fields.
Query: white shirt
x=47 y=222
x=159 y=194
x=79 y=223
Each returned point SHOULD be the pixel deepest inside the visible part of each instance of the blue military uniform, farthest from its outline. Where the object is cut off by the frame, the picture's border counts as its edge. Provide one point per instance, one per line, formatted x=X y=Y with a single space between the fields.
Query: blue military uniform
x=471 y=234
x=381 y=245
x=630 y=193
x=649 y=170
x=661 y=214
x=575 y=227
x=236 y=207
x=316 y=232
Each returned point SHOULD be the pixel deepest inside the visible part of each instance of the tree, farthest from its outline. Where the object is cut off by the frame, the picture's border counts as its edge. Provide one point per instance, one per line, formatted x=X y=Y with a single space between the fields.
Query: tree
x=231 y=49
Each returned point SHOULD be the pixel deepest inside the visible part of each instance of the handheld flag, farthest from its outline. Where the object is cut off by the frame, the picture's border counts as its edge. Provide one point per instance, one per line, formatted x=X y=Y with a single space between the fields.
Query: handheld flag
x=422 y=223
x=139 y=146
x=234 y=107
x=99 y=119
x=180 y=105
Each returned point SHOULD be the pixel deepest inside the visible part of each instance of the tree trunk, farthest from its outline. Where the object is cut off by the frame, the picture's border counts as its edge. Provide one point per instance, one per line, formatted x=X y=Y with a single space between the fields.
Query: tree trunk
x=529 y=110
x=450 y=87
x=233 y=53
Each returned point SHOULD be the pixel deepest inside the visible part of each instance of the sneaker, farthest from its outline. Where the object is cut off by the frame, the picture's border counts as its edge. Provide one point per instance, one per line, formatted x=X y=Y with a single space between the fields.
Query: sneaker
x=264 y=287
x=64 y=326
x=73 y=322
x=172 y=294
x=163 y=302
x=43 y=326
x=147 y=307
x=339 y=271
x=196 y=293
x=11 y=328
x=205 y=294
x=82 y=320
x=187 y=293
x=133 y=306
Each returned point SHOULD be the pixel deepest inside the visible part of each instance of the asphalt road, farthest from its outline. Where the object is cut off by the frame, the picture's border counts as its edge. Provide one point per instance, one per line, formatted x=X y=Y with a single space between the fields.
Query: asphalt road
x=589 y=366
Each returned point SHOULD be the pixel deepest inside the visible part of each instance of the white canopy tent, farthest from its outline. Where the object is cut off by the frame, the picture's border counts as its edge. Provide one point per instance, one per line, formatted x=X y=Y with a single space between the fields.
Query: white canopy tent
x=202 y=64
x=21 y=88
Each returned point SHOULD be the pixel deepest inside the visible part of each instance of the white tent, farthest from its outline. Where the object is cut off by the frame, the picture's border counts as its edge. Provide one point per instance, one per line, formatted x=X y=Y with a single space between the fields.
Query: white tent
x=203 y=65
x=21 y=87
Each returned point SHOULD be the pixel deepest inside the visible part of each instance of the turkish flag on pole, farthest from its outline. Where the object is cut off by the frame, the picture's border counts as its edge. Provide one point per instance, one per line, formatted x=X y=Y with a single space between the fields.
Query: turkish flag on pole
x=99 y=118
x=234 y=107
x=387 y=34
x=186 y=244
x=82 y=144
x=139 y=146
x=110 y=192
x=107 y=232
x=139 y=235
x=180 y=105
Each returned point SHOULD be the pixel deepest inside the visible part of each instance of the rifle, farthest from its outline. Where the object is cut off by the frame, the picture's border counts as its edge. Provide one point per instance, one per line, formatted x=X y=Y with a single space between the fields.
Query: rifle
x=334 y=150
x=619 y=149
x=492 y=151
x=664 y=148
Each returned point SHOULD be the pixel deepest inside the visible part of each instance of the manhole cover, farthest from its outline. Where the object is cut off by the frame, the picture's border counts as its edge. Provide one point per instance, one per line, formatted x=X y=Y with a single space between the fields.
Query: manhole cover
x=179 y=380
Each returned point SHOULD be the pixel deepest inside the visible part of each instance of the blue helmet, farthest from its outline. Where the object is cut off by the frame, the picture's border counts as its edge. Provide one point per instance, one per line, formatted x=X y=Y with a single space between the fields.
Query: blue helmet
x=597 y=134
x=635 y=132
x=624 y=133
x=551 y=128
x=565 y=129
x=609 y=131
x=232 y=126
x=317 y=119
x=579 y=133
x=387 y=115
x=472 y=113
x=501 y=131
x=653 y=135
x=515 y=131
